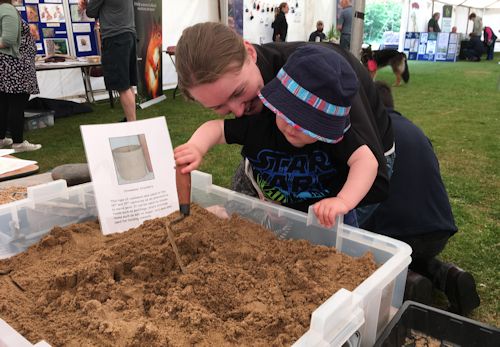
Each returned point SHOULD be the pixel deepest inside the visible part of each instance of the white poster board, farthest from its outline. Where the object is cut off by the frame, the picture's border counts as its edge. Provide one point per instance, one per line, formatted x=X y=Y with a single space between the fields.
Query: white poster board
x=133 y=172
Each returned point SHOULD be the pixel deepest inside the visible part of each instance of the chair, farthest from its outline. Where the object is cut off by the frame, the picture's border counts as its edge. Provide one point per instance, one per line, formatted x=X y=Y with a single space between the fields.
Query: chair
x=171 y=53
x=96 y=71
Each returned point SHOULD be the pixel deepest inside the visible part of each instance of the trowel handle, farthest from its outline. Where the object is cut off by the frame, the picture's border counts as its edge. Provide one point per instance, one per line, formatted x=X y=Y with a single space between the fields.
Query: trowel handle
x=183 y=182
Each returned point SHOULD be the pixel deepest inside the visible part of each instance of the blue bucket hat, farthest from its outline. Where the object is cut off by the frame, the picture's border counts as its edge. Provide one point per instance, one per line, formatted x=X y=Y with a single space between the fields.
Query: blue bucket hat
x=313 y=92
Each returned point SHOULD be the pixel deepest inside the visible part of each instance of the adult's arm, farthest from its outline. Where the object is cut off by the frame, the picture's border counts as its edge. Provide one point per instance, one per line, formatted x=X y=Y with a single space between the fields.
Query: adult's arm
x=94 y=7
x=10 y=31
x=340 y=22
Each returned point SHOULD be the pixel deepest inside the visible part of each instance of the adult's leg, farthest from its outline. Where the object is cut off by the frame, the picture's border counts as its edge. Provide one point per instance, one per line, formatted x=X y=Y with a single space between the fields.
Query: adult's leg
x=118 y=55
x=458 y=285
x=4 y=107
x=127 y=99
x=15 y=115
x=490 y=50
x=345 y=41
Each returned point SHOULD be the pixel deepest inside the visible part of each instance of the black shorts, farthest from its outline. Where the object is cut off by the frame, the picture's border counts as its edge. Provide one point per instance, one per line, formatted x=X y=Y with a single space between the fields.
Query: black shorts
x=119 y=61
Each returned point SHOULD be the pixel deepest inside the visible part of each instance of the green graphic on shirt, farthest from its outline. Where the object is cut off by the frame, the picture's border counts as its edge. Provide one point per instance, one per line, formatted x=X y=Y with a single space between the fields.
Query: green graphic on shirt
x=270 y=192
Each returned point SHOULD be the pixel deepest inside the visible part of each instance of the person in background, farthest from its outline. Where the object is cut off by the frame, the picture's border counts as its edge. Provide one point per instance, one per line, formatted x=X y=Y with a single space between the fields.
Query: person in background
x=280 y=25
x=418 y=212
x=477 y=27
x=18 y=77
x=474 y=49
x=489 y=38
x=318 y=35
x=454 y=29
x=344 y=24
x=433 y=25
x=119 y=57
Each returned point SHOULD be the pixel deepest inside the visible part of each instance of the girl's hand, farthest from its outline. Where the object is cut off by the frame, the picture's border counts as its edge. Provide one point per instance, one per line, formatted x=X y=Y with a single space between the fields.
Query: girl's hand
x=189 y=155
x=328 y=209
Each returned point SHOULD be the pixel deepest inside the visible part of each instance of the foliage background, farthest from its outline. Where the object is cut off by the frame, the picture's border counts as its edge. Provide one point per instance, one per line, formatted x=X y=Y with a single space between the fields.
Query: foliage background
x=381 y=16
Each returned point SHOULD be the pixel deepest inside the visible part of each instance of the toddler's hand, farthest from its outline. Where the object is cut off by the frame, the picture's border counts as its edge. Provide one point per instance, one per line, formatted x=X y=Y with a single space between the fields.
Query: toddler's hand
x=189 y=155
x=328 y=209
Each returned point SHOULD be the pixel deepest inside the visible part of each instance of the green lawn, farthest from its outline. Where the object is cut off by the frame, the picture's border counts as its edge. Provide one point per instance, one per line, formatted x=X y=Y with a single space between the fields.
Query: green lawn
x=457 y=105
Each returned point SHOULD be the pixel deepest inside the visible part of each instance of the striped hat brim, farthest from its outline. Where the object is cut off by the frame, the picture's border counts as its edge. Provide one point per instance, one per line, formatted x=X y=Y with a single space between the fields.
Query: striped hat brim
x=311 y=121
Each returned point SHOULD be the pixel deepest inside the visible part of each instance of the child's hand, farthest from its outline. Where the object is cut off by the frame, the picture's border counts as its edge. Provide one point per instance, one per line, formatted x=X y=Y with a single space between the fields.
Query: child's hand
x=189 y=155
x=328 y=209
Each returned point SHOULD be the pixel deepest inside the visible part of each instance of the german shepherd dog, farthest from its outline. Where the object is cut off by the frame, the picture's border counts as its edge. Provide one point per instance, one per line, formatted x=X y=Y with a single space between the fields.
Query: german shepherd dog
x=374 y=60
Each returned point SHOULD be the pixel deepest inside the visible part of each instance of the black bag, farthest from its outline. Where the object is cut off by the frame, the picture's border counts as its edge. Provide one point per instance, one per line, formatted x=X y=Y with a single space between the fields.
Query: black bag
x=61 y=108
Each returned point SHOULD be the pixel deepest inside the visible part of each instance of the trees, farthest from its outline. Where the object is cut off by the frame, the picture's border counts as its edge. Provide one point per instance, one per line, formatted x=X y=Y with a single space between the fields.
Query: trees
x=381 y=16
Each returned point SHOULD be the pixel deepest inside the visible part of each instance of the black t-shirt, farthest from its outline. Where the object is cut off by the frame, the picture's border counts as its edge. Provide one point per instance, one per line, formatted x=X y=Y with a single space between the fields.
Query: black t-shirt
x=433 y=23
x=314 y=34
x=417 y=202
x=368 y=115
x=294 y=177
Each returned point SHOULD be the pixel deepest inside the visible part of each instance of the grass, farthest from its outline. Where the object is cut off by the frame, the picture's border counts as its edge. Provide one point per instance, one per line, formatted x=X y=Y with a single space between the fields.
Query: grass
x=456 y=104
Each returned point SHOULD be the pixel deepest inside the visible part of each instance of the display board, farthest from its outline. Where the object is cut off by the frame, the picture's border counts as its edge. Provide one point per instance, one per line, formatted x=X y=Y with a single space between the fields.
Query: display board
x=83 y=29
x=59 y=27
x=148 y=26
x=431 y=46
x=412 y=41
x=235 y=15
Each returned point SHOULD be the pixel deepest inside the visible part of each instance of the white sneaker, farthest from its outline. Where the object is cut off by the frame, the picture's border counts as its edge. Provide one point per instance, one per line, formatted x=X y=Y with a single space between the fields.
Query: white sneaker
x=6 y=142
x=25 y=146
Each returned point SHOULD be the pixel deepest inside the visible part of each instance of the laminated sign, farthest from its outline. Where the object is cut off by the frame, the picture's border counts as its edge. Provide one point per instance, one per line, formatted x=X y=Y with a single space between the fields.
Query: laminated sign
x=133 y=172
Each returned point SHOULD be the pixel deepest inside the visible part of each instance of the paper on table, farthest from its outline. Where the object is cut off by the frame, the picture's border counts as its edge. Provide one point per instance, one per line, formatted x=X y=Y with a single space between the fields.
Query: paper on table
x=6 y=152
x=12 y=164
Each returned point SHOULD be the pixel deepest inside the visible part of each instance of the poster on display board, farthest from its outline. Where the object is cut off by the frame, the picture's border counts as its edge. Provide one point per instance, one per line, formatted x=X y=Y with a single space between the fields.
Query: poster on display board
x=47 y=21
x=59 y=26
x=148 y=26
x=427 y=46
x=446 y=21
x=442 y=46
x=411 y=45
x=258 y=17
x=83 y=29
x=452 y=47
x=235 y=15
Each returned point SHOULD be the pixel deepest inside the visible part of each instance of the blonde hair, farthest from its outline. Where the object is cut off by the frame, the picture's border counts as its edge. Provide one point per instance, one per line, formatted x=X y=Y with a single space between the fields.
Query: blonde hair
x=205 y=52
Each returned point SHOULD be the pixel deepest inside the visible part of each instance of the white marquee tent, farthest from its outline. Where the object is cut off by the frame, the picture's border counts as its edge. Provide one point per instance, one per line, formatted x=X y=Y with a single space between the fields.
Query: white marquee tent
x=179 y=14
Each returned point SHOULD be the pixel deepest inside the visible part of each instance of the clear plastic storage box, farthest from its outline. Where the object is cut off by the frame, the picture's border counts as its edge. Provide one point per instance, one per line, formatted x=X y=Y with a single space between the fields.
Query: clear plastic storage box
x=361 y=314
x=38 y=120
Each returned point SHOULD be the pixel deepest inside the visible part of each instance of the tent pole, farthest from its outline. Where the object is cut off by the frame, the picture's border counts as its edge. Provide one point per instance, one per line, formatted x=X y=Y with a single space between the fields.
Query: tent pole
x=357 y=27
x=467 y=27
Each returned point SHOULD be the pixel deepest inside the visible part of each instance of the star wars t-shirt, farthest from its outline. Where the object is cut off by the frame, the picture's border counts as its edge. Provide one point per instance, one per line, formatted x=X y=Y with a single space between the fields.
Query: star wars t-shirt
x=294 y=177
